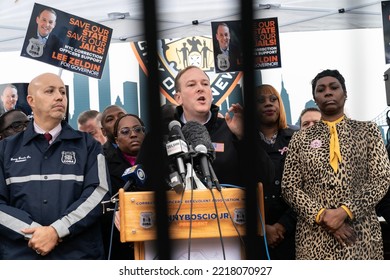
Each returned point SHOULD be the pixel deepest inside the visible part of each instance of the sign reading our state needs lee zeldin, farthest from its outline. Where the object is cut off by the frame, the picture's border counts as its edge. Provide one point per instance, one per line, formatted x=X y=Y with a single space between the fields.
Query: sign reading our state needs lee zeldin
x=67 y=41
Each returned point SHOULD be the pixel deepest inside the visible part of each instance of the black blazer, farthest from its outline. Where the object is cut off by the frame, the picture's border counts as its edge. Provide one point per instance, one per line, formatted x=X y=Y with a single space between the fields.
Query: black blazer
x=235 y=59
x=53 y=43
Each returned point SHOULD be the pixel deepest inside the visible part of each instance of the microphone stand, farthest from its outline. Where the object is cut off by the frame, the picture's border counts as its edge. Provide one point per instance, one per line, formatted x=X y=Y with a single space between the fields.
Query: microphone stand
x=112 y=228
x=214 y=177
x=114 y=198
x=215 y=180
x=192 y=180
x=219 y=225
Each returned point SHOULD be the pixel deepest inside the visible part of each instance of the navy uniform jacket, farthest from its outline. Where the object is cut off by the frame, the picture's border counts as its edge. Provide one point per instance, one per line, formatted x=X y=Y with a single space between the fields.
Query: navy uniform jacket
x=61 y=185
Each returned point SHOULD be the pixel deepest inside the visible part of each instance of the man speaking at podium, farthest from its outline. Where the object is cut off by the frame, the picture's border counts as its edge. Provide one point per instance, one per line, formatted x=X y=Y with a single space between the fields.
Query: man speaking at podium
x=194 y=98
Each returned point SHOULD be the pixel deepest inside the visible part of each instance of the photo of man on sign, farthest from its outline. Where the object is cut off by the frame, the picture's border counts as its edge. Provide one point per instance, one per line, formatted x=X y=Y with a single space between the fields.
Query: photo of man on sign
x=227 y=50
x=41 y=39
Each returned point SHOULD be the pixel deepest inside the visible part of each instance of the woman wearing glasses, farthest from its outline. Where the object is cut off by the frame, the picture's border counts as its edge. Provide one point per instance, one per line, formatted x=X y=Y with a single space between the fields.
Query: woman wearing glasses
x=129 y=133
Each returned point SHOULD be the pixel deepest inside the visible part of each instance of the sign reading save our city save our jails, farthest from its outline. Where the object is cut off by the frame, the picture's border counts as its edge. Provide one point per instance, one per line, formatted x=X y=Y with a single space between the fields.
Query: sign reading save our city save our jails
x=67 y=41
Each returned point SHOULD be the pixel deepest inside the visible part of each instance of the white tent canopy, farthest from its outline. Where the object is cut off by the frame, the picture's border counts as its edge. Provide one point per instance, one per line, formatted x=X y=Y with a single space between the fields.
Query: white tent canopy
x=176 y=17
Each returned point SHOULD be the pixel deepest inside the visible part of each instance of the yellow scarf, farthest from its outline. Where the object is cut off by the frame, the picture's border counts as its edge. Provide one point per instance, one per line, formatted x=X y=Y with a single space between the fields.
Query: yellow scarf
x=334 y=149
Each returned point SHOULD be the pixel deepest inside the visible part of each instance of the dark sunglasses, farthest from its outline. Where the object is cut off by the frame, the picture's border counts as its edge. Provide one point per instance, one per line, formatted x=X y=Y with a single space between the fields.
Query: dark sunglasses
x=125 y=131
x=17 y=126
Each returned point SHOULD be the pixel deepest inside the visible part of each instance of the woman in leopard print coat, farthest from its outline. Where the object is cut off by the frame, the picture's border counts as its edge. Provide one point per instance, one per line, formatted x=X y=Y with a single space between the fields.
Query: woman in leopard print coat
x=336 y=205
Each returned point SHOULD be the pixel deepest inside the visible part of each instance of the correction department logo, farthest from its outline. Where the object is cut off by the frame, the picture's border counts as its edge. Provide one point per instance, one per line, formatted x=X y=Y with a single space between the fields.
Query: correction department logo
x=146 y=219
x=189 y=51
x=35 y=48
x=176 y=54
x=68 y=157
x=239 y=216
x=223 y=62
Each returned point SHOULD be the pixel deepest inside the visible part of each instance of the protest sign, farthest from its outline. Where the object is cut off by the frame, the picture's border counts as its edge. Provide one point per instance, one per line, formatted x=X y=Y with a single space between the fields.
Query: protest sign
x=67 y=41
x=267 y=47
x=227 y=47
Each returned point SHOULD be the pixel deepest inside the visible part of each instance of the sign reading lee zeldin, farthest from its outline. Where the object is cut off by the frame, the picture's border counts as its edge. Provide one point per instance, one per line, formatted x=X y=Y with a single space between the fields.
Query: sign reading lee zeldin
x=67 y=41
x=267 y=46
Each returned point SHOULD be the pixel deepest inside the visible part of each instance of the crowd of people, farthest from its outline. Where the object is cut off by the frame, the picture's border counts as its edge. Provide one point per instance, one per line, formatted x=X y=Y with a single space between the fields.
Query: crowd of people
x=324 y=184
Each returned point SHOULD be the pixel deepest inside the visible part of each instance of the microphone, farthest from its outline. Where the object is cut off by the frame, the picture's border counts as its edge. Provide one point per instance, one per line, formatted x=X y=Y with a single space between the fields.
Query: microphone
x=175 y=127
x=177 y=147
x=204 y=164
x=198 y=136
x=176 y=181
x=134 y=176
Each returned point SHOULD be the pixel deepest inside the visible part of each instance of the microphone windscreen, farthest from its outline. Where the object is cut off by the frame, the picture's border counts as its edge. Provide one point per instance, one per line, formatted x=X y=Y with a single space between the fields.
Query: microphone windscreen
x=174 y=123
x=196 y=134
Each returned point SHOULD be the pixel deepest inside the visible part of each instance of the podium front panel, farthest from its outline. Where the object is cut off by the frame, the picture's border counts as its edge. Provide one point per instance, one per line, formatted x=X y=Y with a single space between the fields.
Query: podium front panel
x=194 y=210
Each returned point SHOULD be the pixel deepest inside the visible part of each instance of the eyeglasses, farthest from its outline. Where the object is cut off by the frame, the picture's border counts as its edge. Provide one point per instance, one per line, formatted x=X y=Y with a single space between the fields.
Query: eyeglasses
x=125 y=131
x=17 y=126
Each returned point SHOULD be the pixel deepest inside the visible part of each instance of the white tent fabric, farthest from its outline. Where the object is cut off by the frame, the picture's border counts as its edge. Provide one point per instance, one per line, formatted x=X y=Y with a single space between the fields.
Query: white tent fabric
x=179 y=18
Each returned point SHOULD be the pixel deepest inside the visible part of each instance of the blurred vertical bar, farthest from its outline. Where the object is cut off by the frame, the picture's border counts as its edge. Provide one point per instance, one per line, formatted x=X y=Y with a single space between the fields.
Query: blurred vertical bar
x=252 y=240
x=154 y=113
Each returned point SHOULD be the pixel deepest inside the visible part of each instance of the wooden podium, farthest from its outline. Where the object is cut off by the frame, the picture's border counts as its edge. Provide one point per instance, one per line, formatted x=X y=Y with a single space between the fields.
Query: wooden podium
x=137 y=215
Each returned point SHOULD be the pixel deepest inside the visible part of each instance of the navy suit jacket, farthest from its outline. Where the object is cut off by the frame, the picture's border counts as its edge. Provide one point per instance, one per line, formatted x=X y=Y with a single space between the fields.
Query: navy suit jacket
x=53 y=43
x=235 y=59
